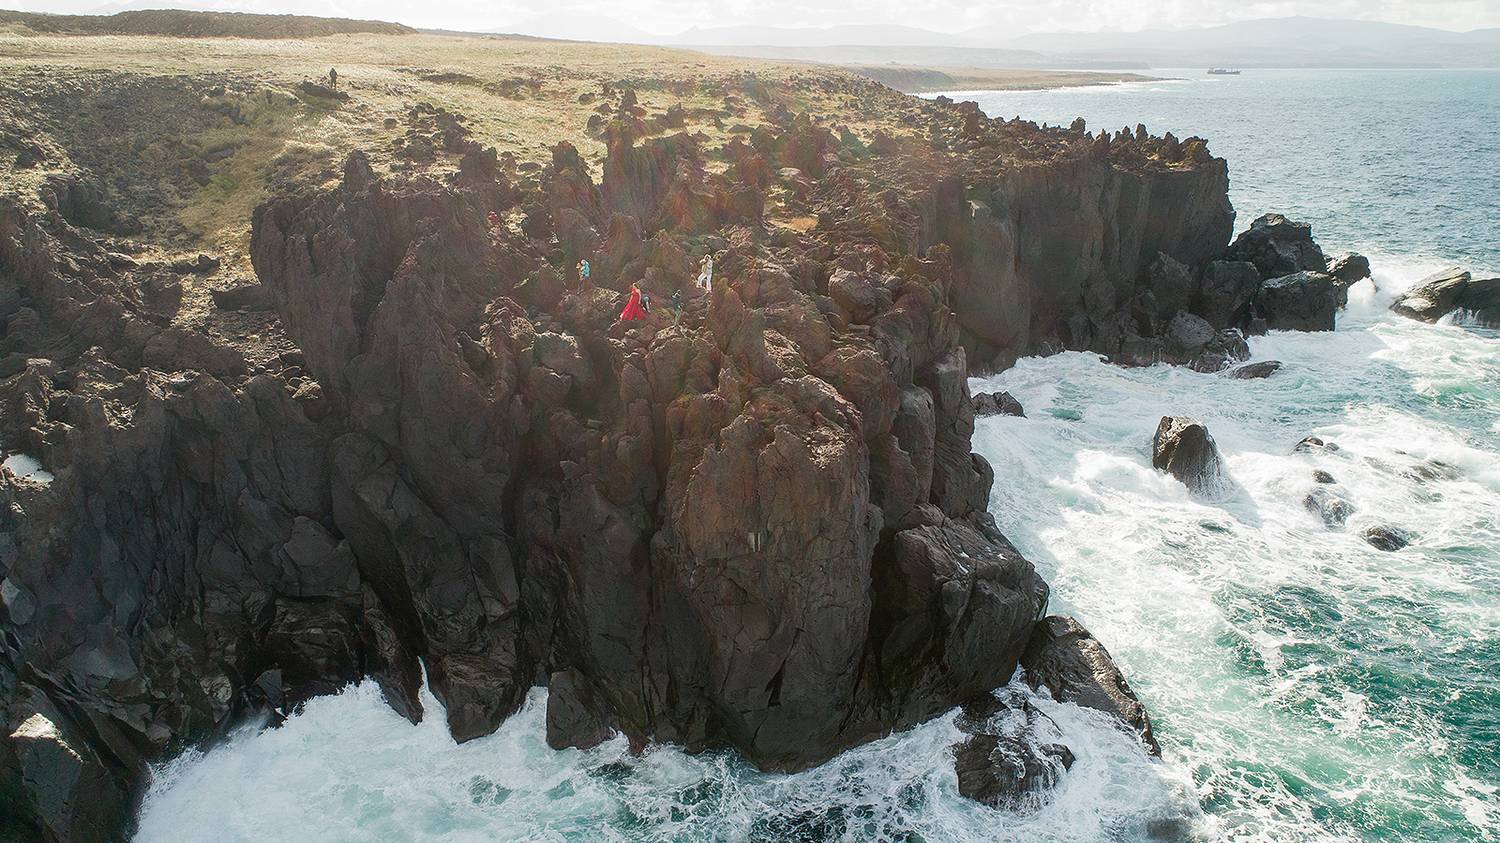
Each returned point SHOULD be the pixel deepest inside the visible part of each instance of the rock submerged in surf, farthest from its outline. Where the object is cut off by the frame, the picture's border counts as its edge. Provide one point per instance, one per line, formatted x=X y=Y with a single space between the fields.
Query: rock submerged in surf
x=1009 y=760
x=1260 y=369
x=1385 y=538
x=1451 y=290
x=1331 y=507
x=1309 y=444
x=1183 y=448
x=997 y=404
x=1070 y=662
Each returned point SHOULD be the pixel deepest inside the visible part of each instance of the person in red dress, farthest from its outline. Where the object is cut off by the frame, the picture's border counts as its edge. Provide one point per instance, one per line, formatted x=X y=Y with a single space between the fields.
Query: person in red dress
x=633 y=310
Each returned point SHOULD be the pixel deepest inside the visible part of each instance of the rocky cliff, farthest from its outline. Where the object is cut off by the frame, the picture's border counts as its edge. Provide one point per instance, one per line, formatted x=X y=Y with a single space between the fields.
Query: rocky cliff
x=759 y=526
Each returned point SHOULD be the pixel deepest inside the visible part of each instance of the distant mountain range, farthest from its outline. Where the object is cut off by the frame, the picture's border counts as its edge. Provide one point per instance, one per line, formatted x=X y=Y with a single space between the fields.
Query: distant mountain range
x=1272 y=42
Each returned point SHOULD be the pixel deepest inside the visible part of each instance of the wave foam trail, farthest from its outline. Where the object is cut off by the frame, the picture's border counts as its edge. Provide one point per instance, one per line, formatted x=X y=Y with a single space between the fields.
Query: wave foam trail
x=347 y=768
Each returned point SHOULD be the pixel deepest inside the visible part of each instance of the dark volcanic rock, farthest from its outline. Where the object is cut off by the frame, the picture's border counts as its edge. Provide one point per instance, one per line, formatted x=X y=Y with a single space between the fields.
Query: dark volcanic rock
x=1261 y=369
x=1183 y=448
x=1349 y=267
x=1012 y=756
x=1069 y=662
x=575 y=716
x=1386 y=538
x=997 y=404
x=1321 y=476
x=761 y=528
x=1304 y=301
x=1278 y=247
x=1002 y=771
x=1226 y=292
x=1452 y=290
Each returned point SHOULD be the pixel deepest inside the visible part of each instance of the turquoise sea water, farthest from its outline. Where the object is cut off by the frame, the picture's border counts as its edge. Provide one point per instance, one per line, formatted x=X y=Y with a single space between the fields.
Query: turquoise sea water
x=1305 y=686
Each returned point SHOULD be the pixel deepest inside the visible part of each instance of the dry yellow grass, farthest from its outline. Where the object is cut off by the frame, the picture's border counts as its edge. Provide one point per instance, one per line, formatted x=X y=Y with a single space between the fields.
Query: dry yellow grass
x=519 y=95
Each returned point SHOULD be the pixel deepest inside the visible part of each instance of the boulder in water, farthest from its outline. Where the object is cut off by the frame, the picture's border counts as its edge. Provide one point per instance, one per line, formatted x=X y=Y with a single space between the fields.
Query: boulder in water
x=1184 y=448
x=1320 y=476
x=1334 y=509
x=997 y=404
x=1065 y=658
x=1302 y=301
x=1313 y=443
x=1227 y=348
x=1259 y=369
x=1002 y=771
x=1278 y=247
x=1009 y=760
x=1386 y=538
x=1427 y=471
x=1451 y=290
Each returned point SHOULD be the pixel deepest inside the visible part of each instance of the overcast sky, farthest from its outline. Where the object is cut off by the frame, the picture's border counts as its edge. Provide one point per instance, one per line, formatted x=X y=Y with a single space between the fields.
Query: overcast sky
x=586 y=18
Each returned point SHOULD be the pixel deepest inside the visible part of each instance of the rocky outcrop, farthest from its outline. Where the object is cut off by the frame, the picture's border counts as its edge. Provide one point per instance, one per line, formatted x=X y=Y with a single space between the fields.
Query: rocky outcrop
x=1278 y=247
x=1449 y=291
x=1069 y=662
x=762 y=528
x=1184 y=449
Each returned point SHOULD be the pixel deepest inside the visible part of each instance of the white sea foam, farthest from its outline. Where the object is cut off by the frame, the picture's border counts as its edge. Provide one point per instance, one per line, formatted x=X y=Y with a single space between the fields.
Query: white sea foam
x=27 y=468
x=348 y=769
x=1292 y=668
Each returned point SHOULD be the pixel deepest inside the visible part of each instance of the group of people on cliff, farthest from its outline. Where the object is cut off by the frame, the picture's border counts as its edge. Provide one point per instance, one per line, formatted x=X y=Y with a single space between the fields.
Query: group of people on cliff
x=638 y=306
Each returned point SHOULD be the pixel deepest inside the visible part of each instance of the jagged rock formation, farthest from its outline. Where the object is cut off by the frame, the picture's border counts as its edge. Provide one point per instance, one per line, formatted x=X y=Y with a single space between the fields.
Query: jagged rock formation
x=1183 y=448
x=762 y=528
x=1452 y=290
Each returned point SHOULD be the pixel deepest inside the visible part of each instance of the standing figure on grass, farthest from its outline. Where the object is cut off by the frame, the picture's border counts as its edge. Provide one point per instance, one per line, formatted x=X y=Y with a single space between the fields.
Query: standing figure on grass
x=633 y=311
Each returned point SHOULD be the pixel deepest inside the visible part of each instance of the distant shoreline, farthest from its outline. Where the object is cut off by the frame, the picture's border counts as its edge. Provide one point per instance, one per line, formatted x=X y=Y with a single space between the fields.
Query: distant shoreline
x=910 y=79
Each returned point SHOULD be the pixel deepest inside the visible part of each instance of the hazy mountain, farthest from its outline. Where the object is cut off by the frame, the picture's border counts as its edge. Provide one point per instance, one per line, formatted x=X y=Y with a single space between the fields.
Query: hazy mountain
x=576 y=28
x=1287 y=42
x=875 y=35
x=1270 y=42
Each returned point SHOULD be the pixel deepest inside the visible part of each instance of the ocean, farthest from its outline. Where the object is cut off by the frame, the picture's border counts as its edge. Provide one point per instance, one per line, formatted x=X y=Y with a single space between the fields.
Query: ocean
x=1304 y=685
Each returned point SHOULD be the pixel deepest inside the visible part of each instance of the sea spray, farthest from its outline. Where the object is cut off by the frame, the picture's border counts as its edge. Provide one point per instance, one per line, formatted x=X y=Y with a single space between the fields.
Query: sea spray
x=1316 y=687
x=347 y=768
